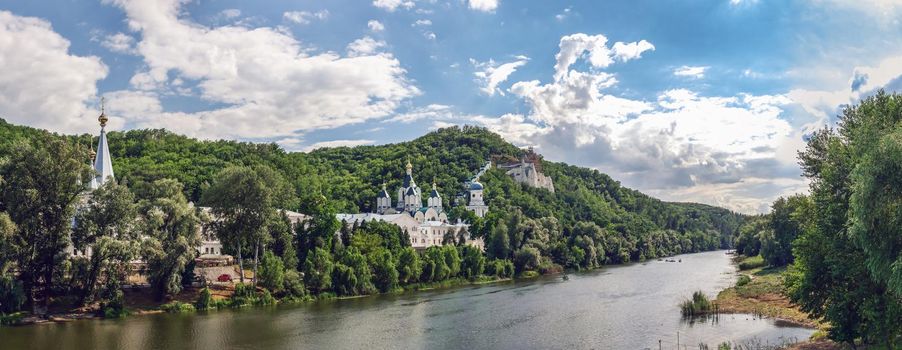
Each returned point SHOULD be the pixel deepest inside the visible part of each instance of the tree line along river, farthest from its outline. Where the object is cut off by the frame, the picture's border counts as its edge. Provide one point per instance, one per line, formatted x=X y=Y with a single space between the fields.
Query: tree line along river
x=617 y=307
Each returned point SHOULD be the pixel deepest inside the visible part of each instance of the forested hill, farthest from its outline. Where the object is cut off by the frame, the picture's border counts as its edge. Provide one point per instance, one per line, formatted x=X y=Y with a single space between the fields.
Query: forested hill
x=351 y=177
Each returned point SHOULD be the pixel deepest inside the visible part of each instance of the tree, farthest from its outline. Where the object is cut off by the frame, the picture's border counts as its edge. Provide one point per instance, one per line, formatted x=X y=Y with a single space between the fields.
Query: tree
x=785 y=226
x=105 y=225
x=833 y=273
x=499 y=243
x=384 y=271
x=409 y=268
x=319 y=230
x=42 y=181
x=452 y=260
x=473 y=263
x=272 y=272
x=7 y=245
x=526 y=259
x=244 y=201
x=318 y=270
x=876 y=208
x=169 y=224
x=363 y=277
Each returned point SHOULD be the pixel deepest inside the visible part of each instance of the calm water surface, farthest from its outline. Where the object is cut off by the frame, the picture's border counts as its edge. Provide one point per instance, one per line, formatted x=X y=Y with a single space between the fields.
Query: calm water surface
x=623 y=307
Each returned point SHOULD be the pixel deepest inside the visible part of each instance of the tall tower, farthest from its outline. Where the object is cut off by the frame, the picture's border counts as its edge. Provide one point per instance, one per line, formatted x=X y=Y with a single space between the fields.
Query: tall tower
x=103 y=162
x=477 y=205
x=435 y=199
x=383 y=201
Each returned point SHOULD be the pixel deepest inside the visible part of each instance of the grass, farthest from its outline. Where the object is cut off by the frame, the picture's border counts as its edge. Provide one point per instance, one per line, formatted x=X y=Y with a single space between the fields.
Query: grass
x=759 y=291
x=752 y=262
x=177 y=307
x=699 y=304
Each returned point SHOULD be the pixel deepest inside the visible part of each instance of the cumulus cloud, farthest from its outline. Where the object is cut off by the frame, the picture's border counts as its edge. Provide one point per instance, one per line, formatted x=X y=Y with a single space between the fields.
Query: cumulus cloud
x=119 y=43
x=483 y=5
x=490 y=73
x=267 y=83
x=305 y=17
x=42 y=84
x=594 y=47
x=364 y=46
x=421 y=23
x=391 y=5
x=375 y=25
x=680 y=146
x=432 y=111
x=696 y=72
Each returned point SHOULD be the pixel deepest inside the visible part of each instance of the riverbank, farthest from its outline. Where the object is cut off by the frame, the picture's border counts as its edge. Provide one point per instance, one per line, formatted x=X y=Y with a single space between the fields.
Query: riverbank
x=759 y=291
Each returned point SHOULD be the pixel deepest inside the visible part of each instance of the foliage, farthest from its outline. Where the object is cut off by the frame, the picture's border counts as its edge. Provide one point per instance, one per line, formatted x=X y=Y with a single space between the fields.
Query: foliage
x=169 y=225
x=409 y=268
x=743 y=280
x=472 y=264
x=114 y=307
x=41 y=182
x=12 y=295
x=272 y=272
x=786 y=223
x=697 y=305
x=843 y=258
x=204 y=300
x=318 y=271
x=384 y=271
x=751 y=262
x=177 y=307
x=500 y=268
x=526 y=259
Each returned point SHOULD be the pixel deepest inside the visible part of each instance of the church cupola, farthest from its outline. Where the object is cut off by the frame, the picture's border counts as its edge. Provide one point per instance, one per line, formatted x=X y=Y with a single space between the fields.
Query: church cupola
x=435 y=199
x=103 y=162
x=383 y=201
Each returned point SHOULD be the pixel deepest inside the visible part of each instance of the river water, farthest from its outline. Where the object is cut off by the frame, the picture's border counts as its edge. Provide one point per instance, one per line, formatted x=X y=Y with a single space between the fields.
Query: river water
x=618 y=307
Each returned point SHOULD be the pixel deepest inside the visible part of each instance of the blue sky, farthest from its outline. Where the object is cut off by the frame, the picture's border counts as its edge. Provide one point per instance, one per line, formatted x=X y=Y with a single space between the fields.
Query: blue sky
x=704 y=101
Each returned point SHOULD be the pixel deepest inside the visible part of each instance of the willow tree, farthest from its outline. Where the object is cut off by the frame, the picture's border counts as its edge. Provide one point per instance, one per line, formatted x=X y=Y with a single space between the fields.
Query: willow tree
x=41 y=185
x=105 y=225
x=170 y=226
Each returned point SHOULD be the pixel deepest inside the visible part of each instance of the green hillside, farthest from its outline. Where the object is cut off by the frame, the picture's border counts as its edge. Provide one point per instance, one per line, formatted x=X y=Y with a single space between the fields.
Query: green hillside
x=632 y=223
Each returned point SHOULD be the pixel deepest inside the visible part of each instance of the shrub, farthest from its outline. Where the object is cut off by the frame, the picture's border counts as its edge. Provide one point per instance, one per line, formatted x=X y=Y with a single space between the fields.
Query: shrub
x=500 y=268
x=293 y=285
x=751 y=263
x=12 y=296
x=265 y=299
x=115 y=306
x=698 y=305
x=204 y=300
x=743 y=280
x=244 y=295
x=526 y=259
x=177 y=307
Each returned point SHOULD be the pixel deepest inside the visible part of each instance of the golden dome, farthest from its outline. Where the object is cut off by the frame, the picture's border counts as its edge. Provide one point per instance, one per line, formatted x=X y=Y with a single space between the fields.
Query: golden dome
x=102 y=118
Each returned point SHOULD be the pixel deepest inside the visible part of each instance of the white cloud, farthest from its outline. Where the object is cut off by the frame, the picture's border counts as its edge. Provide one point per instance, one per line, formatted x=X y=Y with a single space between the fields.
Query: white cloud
x=391 y=5
x=375 y=25
x=483 y=5
x=696 y=72
x=305 y=17
x=268 y=84
x=120 y=43
x=564 y=14
x=230 y=13
x=421 y=23
x=489 y=74
x=429 y=35
x=575 y=46
x=42 y=84
x=337 y=143
x=721 y=150
x=432 y=111
x=364 y=46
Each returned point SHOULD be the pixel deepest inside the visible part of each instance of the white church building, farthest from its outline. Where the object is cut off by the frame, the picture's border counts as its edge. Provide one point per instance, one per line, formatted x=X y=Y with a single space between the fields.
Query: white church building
x=426 y=225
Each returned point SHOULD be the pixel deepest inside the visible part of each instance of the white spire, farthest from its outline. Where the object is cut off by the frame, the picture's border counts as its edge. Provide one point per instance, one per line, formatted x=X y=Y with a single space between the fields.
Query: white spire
x=103 y=163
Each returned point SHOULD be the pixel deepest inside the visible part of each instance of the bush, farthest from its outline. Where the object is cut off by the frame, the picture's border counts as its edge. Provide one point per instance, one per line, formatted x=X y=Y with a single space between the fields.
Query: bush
x=743 y=280
x=751 y=263
x=115 y=306
x=500 y=268
x=293 y=285
x=204 y=300
x=526 y=259
x=244 y=295
x=12 y=296
x=265 y=299
x=177 y=307
x=698 y=305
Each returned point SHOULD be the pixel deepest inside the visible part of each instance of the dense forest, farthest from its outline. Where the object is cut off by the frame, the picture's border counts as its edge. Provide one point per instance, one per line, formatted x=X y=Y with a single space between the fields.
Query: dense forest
x=589 y=221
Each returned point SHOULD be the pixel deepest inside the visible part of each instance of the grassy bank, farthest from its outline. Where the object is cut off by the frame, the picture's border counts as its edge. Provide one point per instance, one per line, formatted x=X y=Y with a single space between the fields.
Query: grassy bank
x=759 y=291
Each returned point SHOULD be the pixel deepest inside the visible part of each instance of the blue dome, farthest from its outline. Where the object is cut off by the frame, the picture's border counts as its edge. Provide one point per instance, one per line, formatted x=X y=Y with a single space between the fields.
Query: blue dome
x=475 y=185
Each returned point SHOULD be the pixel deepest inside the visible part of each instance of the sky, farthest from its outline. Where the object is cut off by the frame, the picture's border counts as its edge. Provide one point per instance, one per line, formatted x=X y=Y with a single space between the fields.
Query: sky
x=701 y=101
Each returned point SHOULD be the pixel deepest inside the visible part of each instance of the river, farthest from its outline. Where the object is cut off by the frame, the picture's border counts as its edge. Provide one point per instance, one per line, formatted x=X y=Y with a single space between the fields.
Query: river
x=618 y=307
